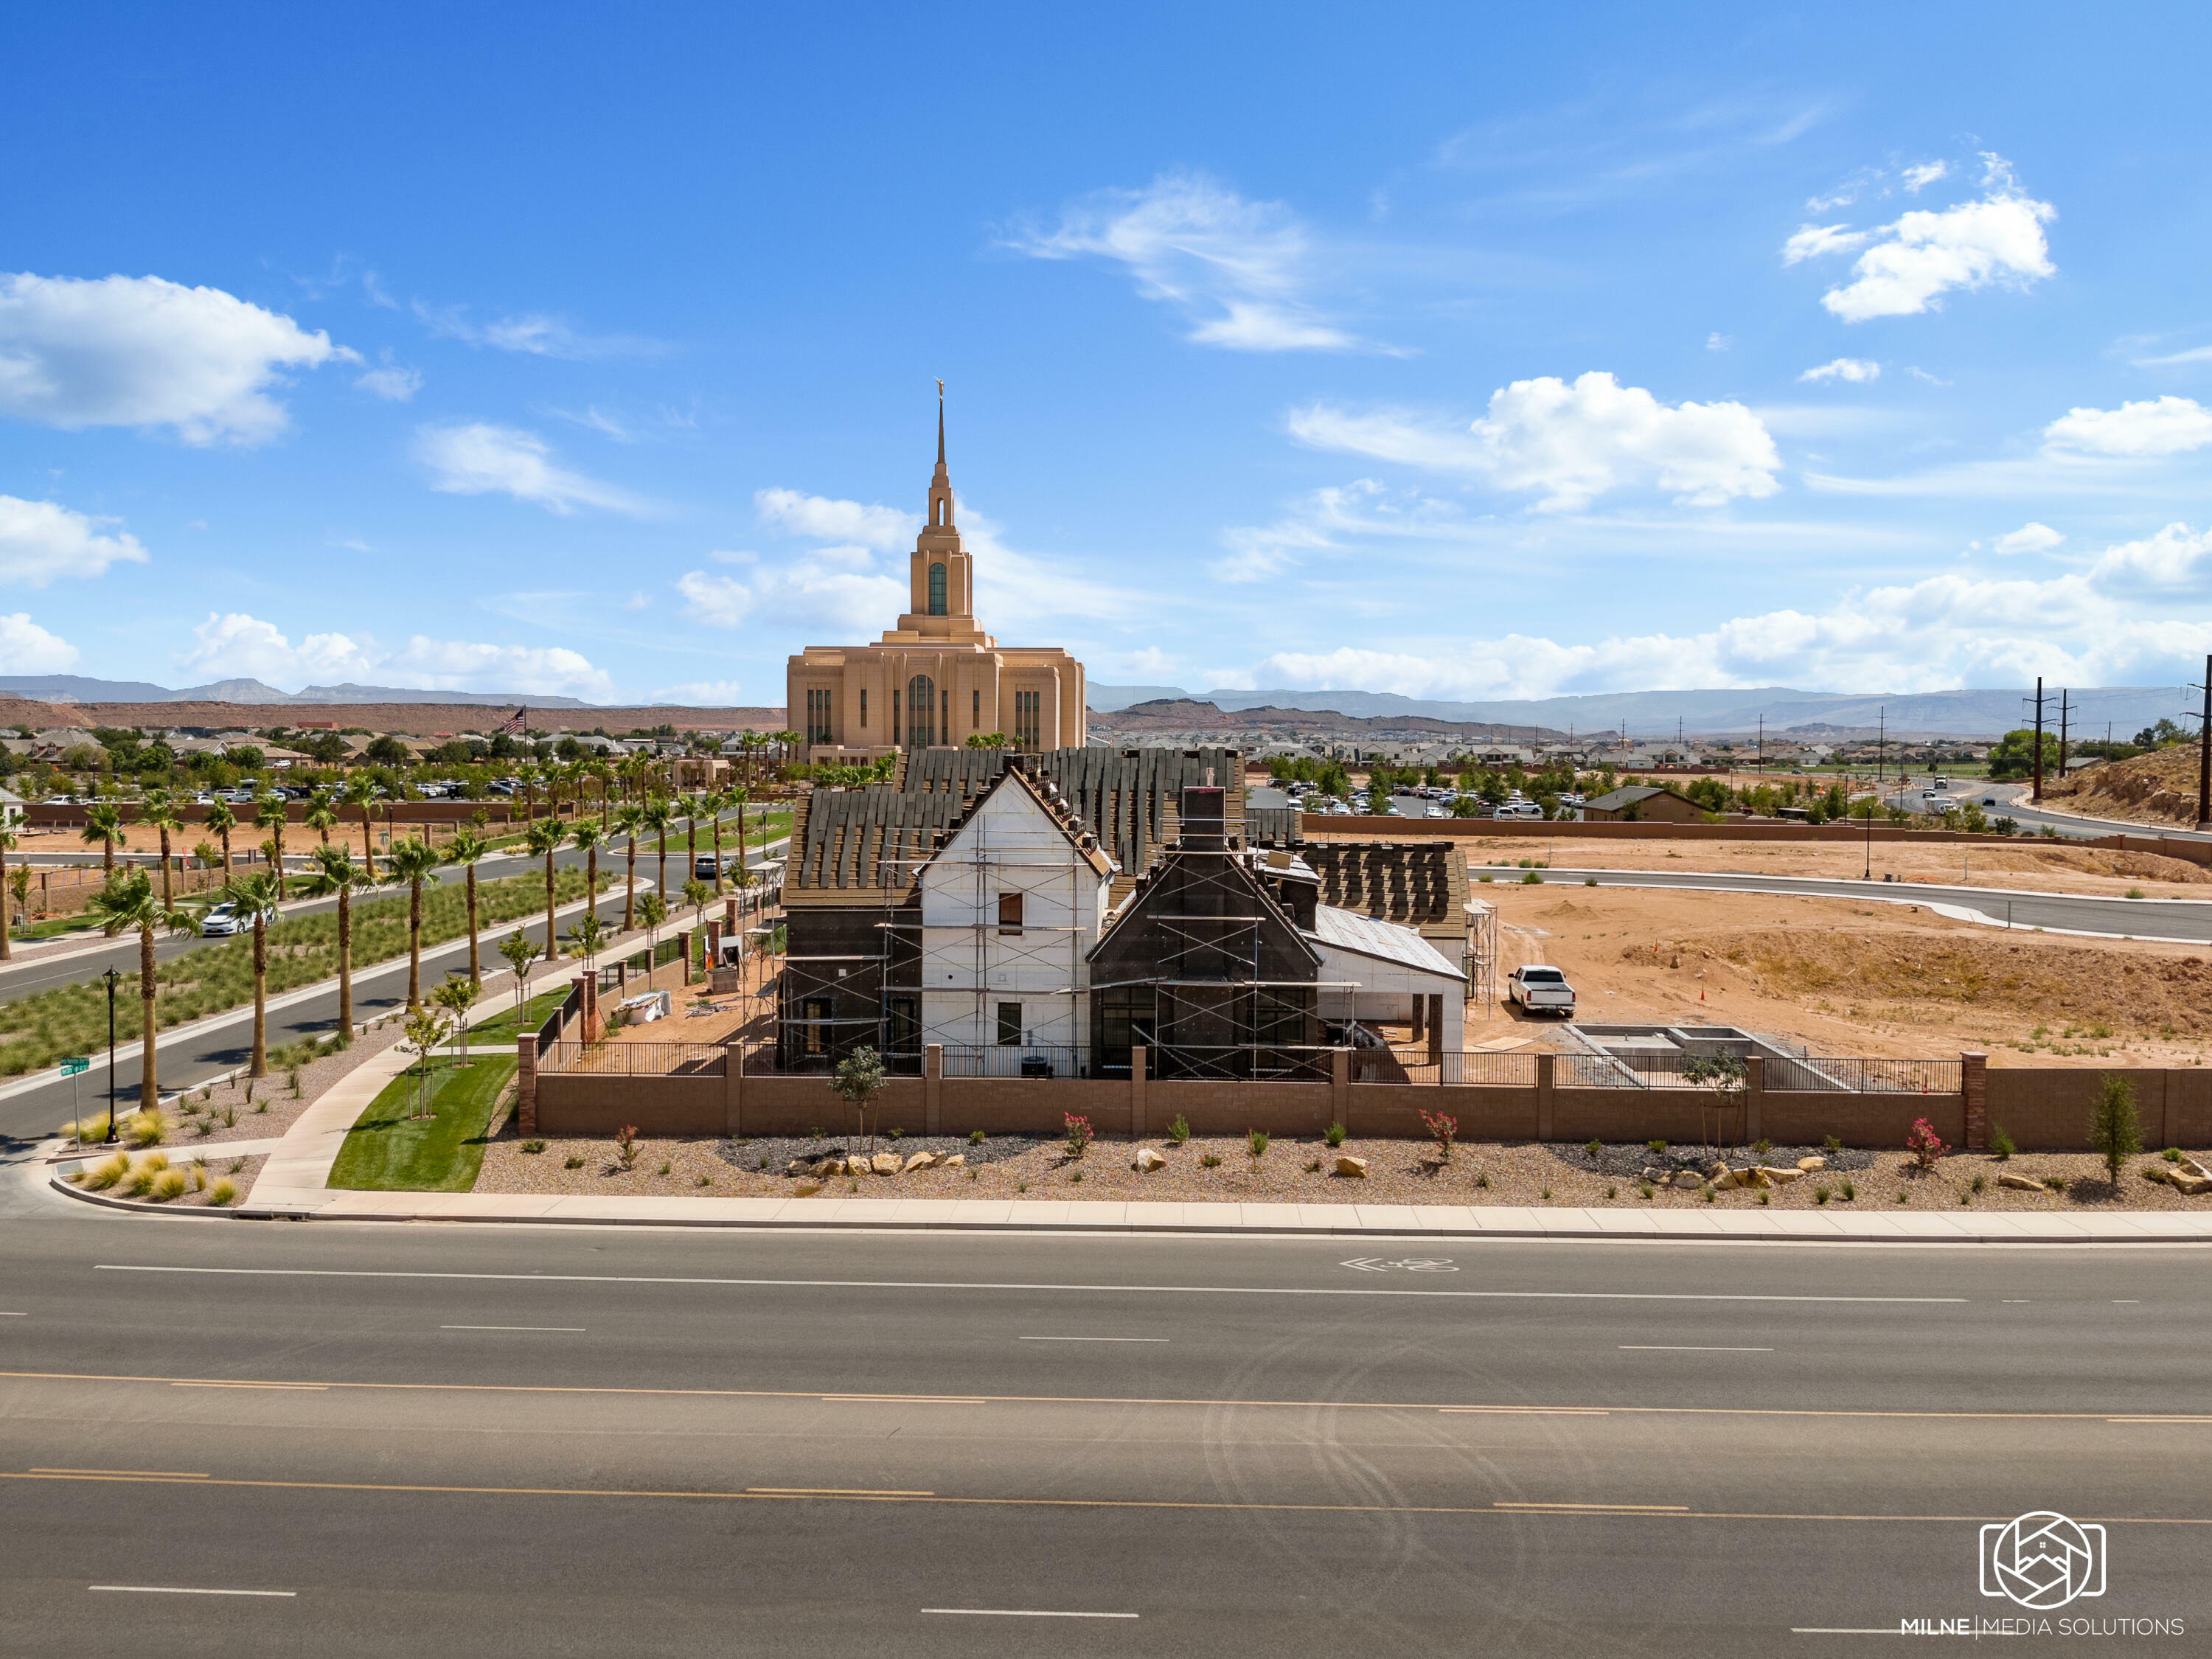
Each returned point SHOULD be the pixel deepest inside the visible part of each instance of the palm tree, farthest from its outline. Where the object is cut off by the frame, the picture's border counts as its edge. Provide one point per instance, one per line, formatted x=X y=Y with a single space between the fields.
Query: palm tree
x=127 y=903
x=165 y=812
x=630 y=823
x=361 y=791
x=7 y=846
x=103 y=822
x=321 y=815
x=715 y=803
x=527 y=772
x=466 y=846
x=586 y=838
x=694 y=804
x=543 y=841
x=255 y=892
x=270 y=814
x=335 y=872
x=604 y=775
x=220 y=822
x=416 y=863
x=659 y=811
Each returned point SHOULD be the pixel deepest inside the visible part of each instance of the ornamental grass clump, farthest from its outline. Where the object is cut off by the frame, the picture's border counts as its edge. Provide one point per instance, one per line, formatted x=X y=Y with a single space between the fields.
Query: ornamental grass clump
x=223 y=1194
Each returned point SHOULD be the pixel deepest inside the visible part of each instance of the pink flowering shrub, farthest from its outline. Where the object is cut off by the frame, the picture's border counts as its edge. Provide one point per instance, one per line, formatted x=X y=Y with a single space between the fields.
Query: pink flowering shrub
x=1923 y=1142
x=1078 y=1133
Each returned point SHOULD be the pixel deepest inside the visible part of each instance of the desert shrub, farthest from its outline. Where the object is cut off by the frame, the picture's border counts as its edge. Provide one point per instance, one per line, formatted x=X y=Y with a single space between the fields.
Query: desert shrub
x=1179 y=1131
x=170 y=1184
x=223 y=1194
x=2001 y=1147
x=2115 y=1130
x=1210 y=1161
x=1925 y=1144
x=1077 y=1132
x=533 y=1145
x=1334 y=1134
x=572 y=1162
x=975 y=1136
x=145 y=1128
x=1256 y=1141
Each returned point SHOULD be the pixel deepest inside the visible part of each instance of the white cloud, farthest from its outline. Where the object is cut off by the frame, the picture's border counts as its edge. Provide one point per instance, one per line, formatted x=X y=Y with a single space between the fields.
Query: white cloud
x=40 y=541
x=1920 y=178
x=1919 y=373
x=823 y=519
x=1574 y=442
x=1243 y=270
x=140 y=351
x=238 y=646
x=2030 y=537
x=1328 y=520
x=1150 y=664
x=534 y=334
x=1909 y=265
x=2193 y=355
x=796 y=596
x=2165 y=425
x=392 y=382
x=703 y=694
x=1844 y=368
x=482 y=460
x=1718 y=342
x=2117 y=621
x=27 y=649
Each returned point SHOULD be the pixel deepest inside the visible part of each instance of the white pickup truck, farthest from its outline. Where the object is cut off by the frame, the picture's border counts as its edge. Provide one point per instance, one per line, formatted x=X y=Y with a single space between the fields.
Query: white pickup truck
x=1542 y=990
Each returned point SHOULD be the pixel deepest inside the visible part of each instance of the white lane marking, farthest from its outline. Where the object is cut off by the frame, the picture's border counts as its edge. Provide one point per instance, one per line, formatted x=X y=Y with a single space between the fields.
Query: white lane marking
x=902 y=1400
x=2125 y=1301
x=1094 y=1339
x=14 y=1315
x=578 y=1329
x=1024 y=1613
x=180 y=1589
x=959 y=1284
x=1595 y=1503
x=1683 y=1347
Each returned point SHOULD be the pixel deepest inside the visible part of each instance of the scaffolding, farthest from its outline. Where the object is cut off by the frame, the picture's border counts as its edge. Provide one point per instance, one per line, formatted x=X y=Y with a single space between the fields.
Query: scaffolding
x=1480 y=957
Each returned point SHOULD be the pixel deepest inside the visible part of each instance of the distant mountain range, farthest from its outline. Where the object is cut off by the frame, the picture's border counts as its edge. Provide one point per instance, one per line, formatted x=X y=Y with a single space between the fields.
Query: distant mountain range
x=1651 y=715
x=75 y=688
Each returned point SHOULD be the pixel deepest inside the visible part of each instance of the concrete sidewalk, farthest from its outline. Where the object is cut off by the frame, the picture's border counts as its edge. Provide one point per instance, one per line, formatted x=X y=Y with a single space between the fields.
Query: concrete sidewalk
x=1436 y=1221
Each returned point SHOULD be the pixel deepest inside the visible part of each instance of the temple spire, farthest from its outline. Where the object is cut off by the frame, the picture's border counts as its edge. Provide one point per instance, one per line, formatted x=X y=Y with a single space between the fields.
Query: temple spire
x=941 y=426
x=940 y=484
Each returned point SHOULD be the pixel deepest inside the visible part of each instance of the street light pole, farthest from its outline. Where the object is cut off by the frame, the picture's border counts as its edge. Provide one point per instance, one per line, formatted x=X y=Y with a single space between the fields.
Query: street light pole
x=112 y=978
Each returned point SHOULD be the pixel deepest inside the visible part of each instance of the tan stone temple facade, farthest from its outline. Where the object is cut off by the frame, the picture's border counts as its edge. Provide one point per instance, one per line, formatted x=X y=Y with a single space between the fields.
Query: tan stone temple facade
x=937 y=678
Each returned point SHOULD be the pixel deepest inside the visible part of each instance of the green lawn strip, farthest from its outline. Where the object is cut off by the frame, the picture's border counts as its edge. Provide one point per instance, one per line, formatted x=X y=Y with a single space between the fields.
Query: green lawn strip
x=502 y=1030
x=36 y=1030
x=386 y=1152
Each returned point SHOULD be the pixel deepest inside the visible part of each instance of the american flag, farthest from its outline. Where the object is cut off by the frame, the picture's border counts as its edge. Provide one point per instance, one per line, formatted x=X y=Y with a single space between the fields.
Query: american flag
x=514 y=722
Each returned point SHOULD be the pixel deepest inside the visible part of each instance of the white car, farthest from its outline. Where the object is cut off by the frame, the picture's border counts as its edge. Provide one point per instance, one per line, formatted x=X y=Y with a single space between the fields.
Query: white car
x=225 y=919
x=1541 y=990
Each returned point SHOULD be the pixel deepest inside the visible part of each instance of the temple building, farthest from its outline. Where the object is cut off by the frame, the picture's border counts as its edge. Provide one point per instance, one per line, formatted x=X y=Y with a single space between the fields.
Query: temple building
x=936 y=679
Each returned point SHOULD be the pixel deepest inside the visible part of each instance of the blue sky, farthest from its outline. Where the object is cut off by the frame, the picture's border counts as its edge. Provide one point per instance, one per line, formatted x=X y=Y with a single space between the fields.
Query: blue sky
x=1458 y=351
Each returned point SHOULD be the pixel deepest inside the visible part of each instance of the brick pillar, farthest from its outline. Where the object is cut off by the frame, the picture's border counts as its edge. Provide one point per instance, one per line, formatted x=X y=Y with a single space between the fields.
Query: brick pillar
x=1140 y=1067
x=714 y=943
x=1546 y=1065
x=1340 y=1086
x=1974 y=1084
x=594 y=1028
x=733 y=1086
x=526 y=1085
x=1420 y=1010
x=683 y=940
x=1754 y=1098
x=1437 y=1033
x=730 y=918
x=932 y=1088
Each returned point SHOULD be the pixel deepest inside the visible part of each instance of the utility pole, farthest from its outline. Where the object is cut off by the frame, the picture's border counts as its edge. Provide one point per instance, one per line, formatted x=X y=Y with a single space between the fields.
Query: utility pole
x=1762 y=743
x=1881 y=747
x=2062 y=711
x=2204 y=755
x=2038 y=794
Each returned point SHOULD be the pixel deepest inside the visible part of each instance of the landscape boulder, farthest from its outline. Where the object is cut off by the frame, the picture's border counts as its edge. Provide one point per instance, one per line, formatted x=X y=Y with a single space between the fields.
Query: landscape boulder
x=1147 y=1160
x=1688 y=1180
x=1811 y=1165
x=884 y=1164
x=1780 y=1177
x=2021 y=1183
x=920 y=1161
x=956 y=1161
x=1348 y=1165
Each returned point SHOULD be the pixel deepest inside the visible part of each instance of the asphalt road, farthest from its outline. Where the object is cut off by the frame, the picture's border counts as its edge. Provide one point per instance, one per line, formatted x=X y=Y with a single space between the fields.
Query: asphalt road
x=579 y=1442
x=2186 y=920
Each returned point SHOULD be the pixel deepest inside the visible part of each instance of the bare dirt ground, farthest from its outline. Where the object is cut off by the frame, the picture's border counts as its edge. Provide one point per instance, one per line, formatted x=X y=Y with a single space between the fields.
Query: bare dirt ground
x=2158 y=788
x=1848 y=978
x=2036 y=867
x=1302 y=1172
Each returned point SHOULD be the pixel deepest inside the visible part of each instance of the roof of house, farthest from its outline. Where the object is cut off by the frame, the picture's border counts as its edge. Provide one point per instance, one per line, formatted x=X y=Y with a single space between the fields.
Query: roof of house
x=1421 y=883
x=1347 y=930
x=1628 y=795
x=1053 y=805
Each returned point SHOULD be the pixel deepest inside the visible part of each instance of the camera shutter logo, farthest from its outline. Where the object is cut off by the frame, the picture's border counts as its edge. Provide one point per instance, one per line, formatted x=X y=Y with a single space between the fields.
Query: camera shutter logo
x=2043 y=1560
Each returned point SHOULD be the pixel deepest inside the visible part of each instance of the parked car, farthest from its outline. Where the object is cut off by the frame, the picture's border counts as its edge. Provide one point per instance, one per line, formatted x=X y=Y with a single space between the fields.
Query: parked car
x=1541 y=990
x=225 y=919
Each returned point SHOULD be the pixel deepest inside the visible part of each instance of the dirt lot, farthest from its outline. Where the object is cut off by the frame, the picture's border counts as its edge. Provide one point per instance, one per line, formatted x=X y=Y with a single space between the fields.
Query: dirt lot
x=1301 y=1172
x=1848 y=978
x=2034 y=866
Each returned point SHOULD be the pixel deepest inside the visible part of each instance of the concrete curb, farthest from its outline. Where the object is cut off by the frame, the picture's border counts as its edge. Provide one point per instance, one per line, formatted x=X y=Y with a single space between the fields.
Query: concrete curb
x=139 y=1207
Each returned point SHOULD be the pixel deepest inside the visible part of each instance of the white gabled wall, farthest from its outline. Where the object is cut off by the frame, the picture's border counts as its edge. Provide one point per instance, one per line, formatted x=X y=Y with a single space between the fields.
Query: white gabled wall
x=1387 y=989
x=1010 y=844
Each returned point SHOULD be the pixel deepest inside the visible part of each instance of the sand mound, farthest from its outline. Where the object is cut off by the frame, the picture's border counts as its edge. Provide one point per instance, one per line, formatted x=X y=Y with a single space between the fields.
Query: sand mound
x=2154 y=788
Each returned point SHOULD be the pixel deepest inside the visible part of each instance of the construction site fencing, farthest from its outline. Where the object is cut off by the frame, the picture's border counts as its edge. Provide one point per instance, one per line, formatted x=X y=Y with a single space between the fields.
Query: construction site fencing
x=634 y=1059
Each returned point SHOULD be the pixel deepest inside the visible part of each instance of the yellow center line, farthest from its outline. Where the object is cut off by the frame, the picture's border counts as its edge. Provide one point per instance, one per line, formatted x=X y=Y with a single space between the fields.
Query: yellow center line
x=1115 y=1400
x=833 y=1492
x=1642 y=1509
x=162 y=1474
x=773 y=1496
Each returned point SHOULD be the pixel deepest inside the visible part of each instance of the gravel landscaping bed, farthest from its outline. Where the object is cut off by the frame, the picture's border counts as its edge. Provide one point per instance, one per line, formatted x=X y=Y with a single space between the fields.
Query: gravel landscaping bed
x=774 y=1153
x=244 y=1111
x=1302 y=1172
x=203 y=1178
x=1627 y=1159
